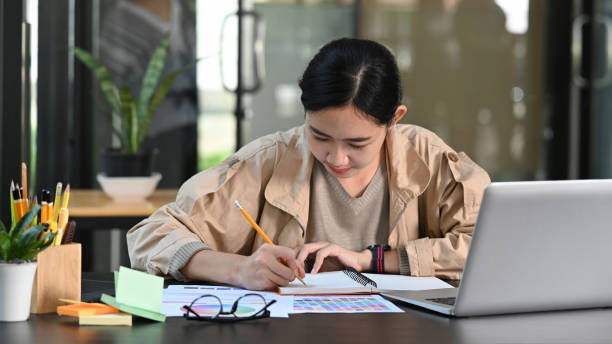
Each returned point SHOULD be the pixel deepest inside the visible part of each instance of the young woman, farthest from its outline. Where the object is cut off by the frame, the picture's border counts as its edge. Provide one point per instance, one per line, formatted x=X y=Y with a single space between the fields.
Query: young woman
x=351 y=187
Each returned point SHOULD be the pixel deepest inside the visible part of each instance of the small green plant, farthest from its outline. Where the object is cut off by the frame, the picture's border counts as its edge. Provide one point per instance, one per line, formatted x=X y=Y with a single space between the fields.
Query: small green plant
x=20 y=243
x=136 y=113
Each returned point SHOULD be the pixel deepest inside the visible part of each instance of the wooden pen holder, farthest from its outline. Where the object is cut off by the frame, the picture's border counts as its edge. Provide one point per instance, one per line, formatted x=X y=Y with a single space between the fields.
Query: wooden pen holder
x=58 y=275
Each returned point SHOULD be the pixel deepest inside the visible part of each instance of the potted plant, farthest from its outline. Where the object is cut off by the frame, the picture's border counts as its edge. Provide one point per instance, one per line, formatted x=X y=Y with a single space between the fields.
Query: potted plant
x=18 y=249
x=135 y=113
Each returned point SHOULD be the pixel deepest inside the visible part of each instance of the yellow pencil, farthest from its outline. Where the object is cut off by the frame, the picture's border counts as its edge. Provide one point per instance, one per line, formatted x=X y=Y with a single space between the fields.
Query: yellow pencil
x=70 y=301
x=61 y=226
x=66 y=196
x=56 y=203
x=260 y=231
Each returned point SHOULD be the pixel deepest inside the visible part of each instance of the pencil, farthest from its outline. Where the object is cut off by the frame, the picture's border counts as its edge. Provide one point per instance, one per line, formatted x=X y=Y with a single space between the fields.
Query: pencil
x=61 y=226
x=70 y=301
x=24 y=182
x=260 y=231
x=66 y=197
x=14 y=198
x=56 y=203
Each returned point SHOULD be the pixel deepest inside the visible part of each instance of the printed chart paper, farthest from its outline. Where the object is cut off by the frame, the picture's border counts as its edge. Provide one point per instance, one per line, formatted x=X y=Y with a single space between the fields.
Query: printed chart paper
x=344 y=304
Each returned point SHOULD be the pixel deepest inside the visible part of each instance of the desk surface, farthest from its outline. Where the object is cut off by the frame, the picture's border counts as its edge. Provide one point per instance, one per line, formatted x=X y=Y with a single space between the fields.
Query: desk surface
x=415 y=325
x=94 y=203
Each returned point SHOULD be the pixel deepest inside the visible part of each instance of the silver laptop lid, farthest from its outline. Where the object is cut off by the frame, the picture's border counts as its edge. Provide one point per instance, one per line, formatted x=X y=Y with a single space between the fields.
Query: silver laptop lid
x=540 y=246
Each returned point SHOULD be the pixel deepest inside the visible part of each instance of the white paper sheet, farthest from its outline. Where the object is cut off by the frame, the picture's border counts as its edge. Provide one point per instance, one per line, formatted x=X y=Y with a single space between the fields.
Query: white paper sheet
x=175 y=296
x=399 y=282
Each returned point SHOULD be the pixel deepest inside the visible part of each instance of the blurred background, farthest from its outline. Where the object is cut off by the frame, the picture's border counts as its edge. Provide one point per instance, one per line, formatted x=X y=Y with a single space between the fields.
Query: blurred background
x=521 y=86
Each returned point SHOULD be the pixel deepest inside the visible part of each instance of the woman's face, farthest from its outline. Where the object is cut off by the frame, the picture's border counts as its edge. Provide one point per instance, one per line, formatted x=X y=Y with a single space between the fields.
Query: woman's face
x=345 y=140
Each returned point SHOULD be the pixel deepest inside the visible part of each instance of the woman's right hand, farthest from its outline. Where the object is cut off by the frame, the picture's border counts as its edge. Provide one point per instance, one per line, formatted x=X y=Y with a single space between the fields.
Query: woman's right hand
x=263 y=270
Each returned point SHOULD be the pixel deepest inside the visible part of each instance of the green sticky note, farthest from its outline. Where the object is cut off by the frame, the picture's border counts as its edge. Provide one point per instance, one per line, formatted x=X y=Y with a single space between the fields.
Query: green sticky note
x=137 y=293
x=139 y=289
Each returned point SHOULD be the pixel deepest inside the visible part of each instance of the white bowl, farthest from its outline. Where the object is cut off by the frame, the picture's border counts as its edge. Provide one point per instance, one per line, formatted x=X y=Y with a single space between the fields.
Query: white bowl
x=128 y=189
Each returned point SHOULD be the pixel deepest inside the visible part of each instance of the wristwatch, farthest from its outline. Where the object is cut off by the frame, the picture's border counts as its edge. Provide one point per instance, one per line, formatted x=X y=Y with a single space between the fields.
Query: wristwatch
x=378 y=257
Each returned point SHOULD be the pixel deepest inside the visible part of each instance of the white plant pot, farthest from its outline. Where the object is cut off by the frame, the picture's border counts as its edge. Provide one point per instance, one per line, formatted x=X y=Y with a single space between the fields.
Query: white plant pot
x=16 y=290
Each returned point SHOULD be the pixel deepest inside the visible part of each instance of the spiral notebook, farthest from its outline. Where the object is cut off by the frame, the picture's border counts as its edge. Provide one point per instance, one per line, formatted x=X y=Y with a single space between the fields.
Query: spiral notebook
x=350 y=281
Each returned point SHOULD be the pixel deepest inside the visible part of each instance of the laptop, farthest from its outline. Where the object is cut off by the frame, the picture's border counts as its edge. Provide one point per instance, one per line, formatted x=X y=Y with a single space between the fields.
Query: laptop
x=536 y=246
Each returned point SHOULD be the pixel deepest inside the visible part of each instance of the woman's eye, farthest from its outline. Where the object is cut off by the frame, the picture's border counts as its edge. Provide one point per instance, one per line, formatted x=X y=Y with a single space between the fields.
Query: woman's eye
x=319 y=138
x=357 y=147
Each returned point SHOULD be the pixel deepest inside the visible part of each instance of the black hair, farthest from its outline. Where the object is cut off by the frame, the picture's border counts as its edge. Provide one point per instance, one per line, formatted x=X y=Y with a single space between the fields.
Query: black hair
x=353 y=71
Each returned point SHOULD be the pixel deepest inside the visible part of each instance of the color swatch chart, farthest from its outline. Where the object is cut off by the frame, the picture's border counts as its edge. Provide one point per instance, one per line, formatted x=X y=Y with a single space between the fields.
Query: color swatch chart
x=343 y=304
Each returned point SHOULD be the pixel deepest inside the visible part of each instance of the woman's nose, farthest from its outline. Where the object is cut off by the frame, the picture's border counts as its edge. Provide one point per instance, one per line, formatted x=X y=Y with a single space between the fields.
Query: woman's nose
x=337 y=157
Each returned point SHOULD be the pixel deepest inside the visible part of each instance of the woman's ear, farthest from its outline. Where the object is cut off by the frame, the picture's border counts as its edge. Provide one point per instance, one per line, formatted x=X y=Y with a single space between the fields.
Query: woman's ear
x=400 y=111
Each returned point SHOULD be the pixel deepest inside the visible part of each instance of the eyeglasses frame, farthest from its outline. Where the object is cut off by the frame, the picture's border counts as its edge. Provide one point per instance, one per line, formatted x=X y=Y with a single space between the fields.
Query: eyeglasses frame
x=262 y=313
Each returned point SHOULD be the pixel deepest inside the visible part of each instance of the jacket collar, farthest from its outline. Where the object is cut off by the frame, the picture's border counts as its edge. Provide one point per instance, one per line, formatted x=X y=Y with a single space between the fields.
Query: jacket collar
x=289 y=186
x=409 y=174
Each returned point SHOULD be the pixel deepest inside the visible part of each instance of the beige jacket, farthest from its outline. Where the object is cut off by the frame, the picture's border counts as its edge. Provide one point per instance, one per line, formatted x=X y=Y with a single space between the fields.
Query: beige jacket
x=434 y=200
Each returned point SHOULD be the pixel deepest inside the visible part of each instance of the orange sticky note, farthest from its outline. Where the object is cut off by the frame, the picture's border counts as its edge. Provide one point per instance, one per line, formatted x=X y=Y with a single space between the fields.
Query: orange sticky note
x=84 y=309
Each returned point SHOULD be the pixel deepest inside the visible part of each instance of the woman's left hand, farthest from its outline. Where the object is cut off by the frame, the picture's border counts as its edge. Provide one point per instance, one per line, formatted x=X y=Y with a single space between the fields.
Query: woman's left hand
x=360 y=261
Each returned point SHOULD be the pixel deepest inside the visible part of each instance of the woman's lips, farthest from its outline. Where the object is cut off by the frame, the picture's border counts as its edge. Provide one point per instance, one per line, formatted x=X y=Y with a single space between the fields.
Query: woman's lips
x=338 y=170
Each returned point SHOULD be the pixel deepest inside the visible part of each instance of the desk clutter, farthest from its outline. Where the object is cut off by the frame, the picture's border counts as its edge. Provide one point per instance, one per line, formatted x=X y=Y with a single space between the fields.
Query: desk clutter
x=346 y=291
x=38 y=261
x=53 y=210
x=136 y=294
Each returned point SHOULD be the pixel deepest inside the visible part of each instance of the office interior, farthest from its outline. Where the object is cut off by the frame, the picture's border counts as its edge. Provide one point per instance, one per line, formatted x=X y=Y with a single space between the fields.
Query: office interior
x=521 y=86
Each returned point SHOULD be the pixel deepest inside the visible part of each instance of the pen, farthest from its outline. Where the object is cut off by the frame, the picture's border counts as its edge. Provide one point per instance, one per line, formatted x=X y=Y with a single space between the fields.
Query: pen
x=260 y=231
x=19 y=203
x=43 y=204
x=49 y=210
x=16 y=202
x=68 y=233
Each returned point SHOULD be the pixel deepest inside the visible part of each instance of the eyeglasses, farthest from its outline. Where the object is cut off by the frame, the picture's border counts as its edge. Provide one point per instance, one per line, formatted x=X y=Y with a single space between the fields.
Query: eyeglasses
x=210 y=308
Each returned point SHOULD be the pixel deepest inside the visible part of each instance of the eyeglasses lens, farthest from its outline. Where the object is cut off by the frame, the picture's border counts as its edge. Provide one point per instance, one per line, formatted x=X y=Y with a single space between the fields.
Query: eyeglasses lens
x=207 y=306
x=249 y=305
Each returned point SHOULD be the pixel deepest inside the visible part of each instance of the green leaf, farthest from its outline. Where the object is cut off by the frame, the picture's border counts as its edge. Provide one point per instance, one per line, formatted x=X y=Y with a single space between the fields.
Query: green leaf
x=106 y=84
x=24 y=222
x=127 y=105
x=46 y=240
x=5 y=242
x=151 y=77
x=159 y=96
x=23 y=244
x=134 y=144
x=2 y=228
x=29 y=236
x=115 y=130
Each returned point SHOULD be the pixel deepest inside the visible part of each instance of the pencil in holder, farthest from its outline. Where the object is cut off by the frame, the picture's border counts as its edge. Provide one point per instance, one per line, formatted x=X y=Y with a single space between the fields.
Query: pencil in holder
x=58 y=275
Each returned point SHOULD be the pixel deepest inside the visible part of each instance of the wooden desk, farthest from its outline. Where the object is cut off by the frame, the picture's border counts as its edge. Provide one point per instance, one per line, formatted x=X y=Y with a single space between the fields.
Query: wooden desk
x=92 y=209
x=413 y=326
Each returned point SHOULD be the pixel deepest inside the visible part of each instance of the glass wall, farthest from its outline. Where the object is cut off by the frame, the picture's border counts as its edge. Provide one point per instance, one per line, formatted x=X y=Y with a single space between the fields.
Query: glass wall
x=472 y=71
x=466 y=75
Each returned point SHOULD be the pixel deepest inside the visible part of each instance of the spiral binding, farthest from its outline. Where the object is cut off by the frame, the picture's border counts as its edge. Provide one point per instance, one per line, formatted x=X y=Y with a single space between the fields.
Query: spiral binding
x=359 y=277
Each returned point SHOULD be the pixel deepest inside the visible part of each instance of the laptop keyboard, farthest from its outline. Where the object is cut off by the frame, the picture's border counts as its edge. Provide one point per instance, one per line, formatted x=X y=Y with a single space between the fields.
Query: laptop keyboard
x=444 y=300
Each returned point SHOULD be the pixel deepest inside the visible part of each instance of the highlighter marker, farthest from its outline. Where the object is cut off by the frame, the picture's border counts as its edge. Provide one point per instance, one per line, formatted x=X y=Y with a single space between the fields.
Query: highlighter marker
x=49 y=210
x=16 y=202
x=43 y=206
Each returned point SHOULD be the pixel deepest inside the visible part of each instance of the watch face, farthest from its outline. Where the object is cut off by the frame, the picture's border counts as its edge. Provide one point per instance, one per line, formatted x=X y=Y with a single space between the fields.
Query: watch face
x=385 y=247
